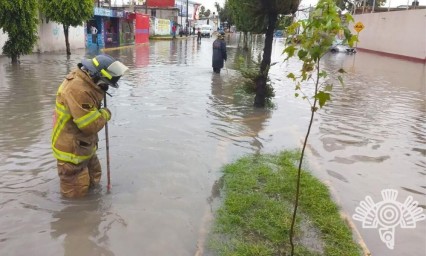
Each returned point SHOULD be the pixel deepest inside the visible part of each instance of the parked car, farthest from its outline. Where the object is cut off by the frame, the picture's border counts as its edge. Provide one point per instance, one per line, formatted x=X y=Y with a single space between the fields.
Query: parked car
x=278 y=33
x=338 y=46
x=206 y=31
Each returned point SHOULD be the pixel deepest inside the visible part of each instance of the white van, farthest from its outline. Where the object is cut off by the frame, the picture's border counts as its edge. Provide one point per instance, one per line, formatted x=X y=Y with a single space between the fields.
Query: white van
x=206 y=31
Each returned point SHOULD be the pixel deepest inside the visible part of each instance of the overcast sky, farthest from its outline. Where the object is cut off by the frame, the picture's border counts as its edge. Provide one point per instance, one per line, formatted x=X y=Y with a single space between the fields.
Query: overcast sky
x=209 y=4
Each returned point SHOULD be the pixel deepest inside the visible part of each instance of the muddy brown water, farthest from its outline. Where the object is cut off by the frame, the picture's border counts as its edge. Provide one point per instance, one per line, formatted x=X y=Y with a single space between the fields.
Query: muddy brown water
x=174 y=126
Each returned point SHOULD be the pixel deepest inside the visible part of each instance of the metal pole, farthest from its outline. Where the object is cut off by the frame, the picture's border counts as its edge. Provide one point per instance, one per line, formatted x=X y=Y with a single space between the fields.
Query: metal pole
x=389 y=5
x=374 y=5
x=107 y=148
x=187 y=21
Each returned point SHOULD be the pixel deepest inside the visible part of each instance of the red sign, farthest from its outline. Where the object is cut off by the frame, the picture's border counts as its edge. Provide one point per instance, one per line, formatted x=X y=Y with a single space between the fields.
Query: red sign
x=160 y=3
x=142 y=28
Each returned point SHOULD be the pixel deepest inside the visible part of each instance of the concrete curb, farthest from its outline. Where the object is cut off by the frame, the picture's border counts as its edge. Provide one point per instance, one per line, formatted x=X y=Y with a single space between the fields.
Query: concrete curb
x=122 y=47
x=171 y=38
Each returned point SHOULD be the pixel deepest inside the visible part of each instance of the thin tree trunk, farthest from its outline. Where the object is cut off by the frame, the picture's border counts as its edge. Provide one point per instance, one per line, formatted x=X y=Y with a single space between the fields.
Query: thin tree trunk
x=299 y=169
x=14 y=59
x=239 y=40
x=67 y=43
x=259 y=100
x=245 y=41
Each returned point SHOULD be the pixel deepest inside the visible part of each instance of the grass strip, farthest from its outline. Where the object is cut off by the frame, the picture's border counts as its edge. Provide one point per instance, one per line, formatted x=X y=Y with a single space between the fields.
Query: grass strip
x=255 y=215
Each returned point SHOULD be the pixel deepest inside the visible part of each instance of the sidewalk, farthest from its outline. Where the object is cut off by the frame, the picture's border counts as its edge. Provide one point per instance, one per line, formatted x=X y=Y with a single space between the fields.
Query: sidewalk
x=169 y=37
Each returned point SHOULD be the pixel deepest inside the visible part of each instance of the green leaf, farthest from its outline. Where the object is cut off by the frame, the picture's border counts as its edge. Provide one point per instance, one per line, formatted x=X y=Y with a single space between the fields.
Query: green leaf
x=323 y=74
x=291 y=76
x=329 y=24
x=290 y=50
x=322 y=98
x=297 y=87
x=352 y=40
x=315 y=52
x=328 y=88
x=296 y=95
x=302 y=54
x=349 y=17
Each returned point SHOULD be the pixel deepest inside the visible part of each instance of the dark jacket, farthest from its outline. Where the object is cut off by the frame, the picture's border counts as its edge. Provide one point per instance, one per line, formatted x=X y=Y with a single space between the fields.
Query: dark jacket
x=219 y=53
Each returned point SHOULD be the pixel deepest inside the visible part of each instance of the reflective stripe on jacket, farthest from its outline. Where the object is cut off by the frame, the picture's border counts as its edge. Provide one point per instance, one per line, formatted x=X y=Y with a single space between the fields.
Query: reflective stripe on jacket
x=78 y=118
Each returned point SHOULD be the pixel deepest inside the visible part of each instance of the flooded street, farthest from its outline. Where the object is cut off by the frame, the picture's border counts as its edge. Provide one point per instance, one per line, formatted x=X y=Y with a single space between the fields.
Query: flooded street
x=175 y=124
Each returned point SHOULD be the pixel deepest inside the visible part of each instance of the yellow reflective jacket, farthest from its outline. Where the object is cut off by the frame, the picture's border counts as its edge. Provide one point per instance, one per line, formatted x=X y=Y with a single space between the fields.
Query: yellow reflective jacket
x=78 y=118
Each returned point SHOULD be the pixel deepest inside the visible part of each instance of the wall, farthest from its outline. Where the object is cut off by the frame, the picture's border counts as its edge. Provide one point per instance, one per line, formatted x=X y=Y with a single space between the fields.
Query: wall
x=400 y=33
x=142 y=28
x=3 y=38
x=160 y=3
x=52 y=38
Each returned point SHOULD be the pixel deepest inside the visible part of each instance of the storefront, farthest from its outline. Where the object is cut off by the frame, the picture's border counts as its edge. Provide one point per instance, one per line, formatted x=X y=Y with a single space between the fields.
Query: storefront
x=103 y=31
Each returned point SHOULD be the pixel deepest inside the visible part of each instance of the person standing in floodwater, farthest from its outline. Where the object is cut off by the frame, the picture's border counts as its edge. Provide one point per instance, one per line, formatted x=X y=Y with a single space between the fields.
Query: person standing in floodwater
x=174 y=31
x=219 y=52
x=94 y=32
x=198 y=35
x=78 y=118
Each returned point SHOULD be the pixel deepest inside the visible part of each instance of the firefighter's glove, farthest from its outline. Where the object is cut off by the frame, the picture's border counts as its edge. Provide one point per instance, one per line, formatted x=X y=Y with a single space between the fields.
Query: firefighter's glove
x=104 y=86
x=105 y=113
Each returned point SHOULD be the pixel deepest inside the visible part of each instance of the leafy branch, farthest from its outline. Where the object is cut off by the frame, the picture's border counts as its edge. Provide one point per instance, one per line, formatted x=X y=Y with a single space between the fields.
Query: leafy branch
x=317 y=35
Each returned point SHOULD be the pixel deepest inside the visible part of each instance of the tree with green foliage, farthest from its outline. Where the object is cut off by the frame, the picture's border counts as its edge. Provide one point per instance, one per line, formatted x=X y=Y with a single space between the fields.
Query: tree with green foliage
x=19 y=19
x=243 y=21
x=202 y=11
x=207 y=13
x=284 y=21
x=267 y=12
x=68 y=13
x=318 y=34
x=217 y=6
x=351 y=5
x=264 y=15
x=225 y=13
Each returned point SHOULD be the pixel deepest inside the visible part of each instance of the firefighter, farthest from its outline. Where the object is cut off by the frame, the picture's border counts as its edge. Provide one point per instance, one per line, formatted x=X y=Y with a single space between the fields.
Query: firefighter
x=78 y=118
x=219 y=52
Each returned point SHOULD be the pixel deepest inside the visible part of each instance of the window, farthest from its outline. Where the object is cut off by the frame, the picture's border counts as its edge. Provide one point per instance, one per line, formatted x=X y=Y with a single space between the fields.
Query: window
x=153 y=13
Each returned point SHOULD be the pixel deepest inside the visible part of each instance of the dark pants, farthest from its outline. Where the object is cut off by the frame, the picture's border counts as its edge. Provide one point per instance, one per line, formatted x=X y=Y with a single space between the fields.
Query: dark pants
x=94 y=38
x=216 y=70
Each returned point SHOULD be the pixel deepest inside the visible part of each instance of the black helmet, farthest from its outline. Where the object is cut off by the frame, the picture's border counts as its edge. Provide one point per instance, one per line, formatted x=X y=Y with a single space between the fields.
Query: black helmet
x=106 y=68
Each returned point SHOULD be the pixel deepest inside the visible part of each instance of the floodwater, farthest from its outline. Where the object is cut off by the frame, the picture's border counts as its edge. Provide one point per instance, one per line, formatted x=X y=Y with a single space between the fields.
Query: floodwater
x=175 y=124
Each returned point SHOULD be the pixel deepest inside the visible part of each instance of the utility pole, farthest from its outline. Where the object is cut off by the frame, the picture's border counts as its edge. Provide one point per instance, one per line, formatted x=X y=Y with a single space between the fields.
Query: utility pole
x=187 y=21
